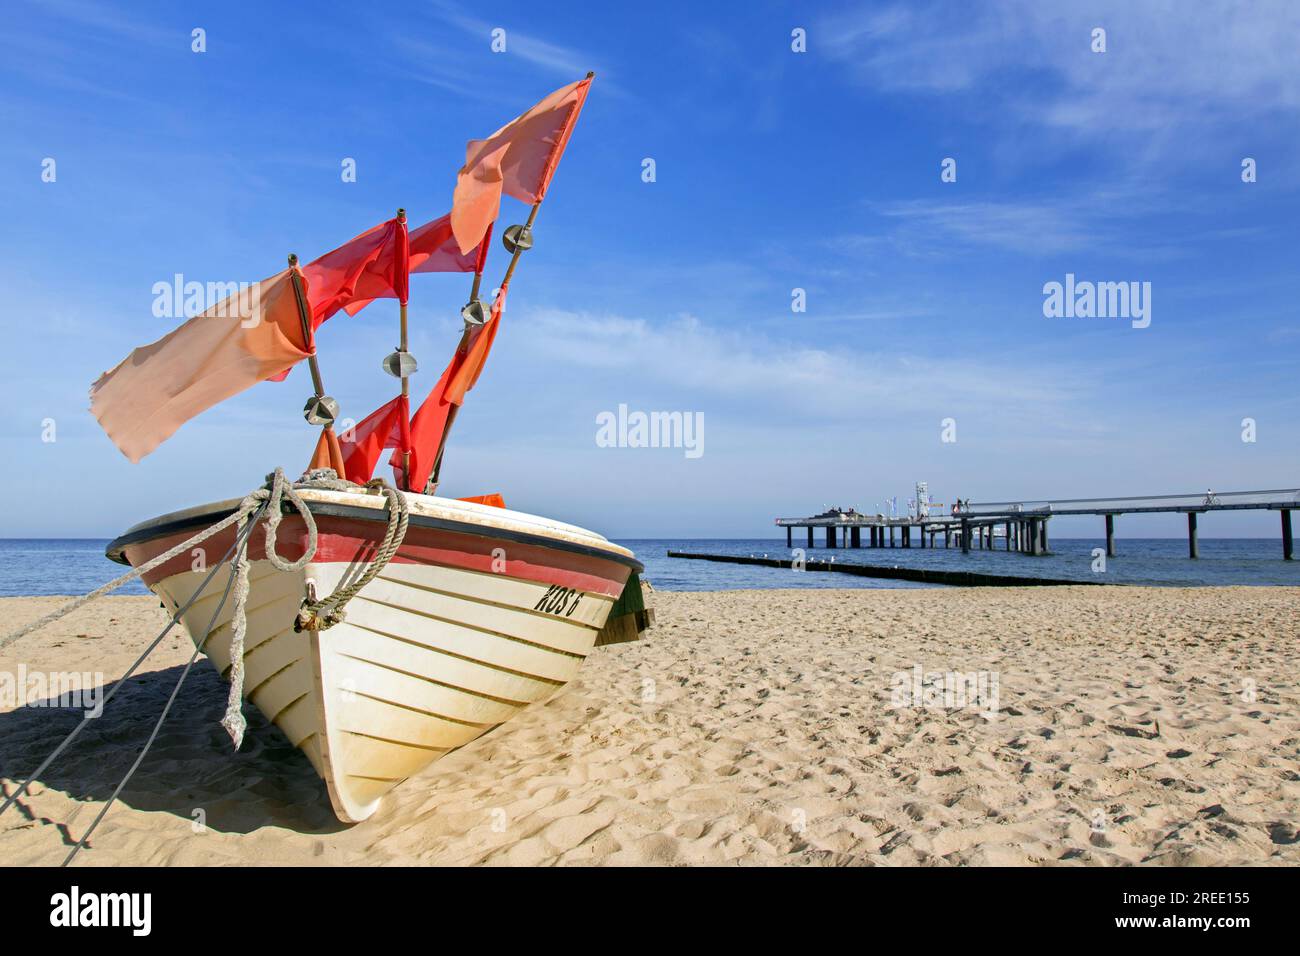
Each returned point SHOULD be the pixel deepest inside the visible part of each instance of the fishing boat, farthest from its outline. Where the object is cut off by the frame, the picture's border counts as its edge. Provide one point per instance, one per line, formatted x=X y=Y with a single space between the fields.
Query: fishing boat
x=378 y=626
x=481 y=612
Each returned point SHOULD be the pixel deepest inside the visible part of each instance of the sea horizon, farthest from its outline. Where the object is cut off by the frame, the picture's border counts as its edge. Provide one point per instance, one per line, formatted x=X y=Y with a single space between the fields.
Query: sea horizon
x=81 y=566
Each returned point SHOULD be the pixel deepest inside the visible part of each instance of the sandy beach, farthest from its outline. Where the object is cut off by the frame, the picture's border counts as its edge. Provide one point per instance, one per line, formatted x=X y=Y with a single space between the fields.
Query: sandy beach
x=1103 y=726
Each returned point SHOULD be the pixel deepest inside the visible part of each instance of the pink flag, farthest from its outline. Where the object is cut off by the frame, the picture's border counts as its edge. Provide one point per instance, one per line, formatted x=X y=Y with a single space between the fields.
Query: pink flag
x=237 y=343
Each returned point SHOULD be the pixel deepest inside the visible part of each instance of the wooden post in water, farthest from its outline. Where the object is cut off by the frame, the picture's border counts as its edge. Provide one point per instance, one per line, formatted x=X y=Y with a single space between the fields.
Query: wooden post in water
x=855 y=537
x=1110 y=536
x=789 y=536
x=1287 y=549
x=1008 y=539
x=891 y=535
x=1043 y=548
x=810 y=538
x=830 y=536
x=1193 y=545
x=965 y=536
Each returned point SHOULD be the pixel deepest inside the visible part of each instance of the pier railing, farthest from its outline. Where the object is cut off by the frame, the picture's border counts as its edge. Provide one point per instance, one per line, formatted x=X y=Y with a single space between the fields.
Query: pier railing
x=1275 y=499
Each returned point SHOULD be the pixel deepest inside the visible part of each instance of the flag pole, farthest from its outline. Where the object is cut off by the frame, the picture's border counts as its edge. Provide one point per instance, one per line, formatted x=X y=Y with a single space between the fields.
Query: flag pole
x=406 y=381
x=519 y=248
x=305 y=318
x=431 y=485
x=517 y=239
x=321 y=410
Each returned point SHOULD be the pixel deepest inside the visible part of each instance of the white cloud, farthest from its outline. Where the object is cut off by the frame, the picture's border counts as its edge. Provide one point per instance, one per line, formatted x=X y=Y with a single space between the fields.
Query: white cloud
x=800 y=383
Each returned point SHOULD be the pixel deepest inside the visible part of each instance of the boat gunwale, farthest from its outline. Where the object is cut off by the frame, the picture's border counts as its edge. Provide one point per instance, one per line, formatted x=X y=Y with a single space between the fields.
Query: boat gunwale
x=197 y=518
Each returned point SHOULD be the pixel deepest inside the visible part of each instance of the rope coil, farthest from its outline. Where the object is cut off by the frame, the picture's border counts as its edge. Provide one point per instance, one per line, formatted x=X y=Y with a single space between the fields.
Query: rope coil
x=325 y=613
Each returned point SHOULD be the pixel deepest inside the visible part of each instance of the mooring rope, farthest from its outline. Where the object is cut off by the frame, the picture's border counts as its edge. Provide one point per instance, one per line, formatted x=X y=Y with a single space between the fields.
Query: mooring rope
x=76 y=731
x=276 y=488
x=198 y=646
x=265 y=502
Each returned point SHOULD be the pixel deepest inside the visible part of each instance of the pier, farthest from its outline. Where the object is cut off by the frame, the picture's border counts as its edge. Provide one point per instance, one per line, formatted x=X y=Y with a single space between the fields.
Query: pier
x=1023 y=524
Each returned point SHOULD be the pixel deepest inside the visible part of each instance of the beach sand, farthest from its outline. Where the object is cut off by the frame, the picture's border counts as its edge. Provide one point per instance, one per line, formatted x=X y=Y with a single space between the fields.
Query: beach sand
x=1132 y=726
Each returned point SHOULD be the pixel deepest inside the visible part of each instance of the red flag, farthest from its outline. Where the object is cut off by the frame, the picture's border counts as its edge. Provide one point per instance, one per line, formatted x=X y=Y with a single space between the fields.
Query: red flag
x=429 y=425
x=433 y=249
x=373 y=265
x=518 y=159
x=386 y=427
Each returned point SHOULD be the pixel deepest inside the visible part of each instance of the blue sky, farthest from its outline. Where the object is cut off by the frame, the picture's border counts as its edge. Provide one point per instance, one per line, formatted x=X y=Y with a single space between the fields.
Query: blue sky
x=775 y=170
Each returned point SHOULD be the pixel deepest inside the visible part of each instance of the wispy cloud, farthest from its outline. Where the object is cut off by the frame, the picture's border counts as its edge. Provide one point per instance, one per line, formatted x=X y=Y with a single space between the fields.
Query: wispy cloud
x=550 y=57
x=1113 y=219
x=712 y=366
x=1167 y=64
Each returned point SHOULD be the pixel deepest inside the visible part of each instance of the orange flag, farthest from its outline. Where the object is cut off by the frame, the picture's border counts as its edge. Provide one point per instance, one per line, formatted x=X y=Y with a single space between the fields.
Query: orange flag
x=429 y=425
x=495 y=500
x=242 y=340
x=518 y=159
x=328 y=454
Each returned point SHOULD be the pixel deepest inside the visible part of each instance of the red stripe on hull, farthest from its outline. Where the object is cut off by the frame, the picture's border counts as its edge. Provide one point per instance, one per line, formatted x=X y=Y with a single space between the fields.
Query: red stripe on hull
x=346 y=540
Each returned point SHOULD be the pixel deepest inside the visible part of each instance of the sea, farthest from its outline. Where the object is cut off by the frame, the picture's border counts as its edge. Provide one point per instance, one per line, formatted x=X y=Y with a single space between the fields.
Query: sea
x=78 y=565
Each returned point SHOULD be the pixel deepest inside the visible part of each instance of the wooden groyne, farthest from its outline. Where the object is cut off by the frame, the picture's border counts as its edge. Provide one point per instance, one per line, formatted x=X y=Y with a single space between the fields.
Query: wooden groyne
x=924 y=575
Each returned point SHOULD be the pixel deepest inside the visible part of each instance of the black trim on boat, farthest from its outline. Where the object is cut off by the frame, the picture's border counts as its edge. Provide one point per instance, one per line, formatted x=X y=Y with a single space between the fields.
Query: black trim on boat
x=148 y=531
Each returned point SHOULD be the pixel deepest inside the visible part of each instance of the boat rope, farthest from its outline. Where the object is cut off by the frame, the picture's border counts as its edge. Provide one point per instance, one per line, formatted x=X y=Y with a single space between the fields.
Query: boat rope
x=266 y=502
x=317 y=615
x=153 y=735
x=121 y=682
x=275 y=488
